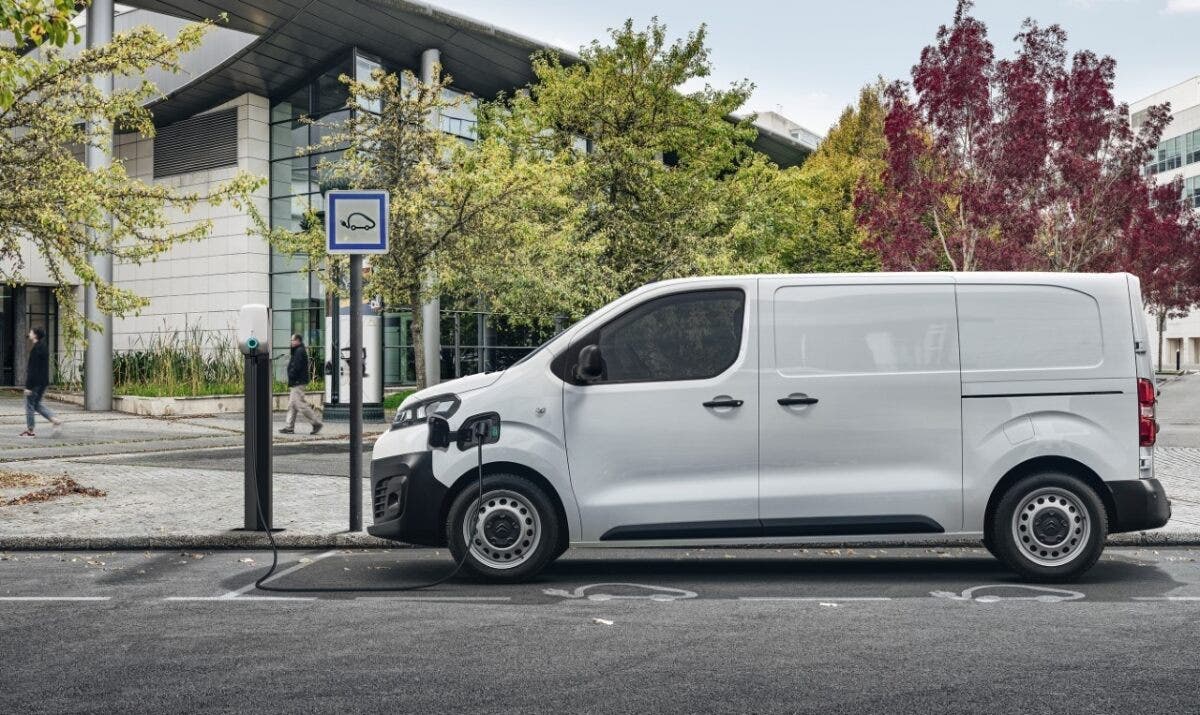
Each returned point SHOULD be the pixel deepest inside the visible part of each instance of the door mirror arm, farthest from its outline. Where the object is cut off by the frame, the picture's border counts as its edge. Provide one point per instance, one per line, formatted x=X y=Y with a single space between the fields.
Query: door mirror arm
x=590 y=367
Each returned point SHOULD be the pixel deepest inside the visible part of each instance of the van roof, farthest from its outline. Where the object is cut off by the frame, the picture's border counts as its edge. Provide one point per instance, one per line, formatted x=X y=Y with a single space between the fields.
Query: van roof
x=1015 y=277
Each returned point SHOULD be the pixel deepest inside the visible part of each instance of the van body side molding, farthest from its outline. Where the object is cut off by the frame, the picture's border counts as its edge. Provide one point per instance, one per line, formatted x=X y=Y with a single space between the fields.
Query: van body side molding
x=1046 y=394
x=804 y=526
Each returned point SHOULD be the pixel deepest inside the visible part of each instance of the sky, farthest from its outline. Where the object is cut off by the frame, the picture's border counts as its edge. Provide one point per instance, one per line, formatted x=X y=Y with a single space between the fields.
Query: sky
x=808 y=59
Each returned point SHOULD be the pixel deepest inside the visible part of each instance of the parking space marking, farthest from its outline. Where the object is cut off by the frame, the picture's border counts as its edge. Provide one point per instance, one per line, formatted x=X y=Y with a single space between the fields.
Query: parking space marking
x=55 y=598
x=239 y=594
x=275 y=577
x=813 y=598
x=1166 y=598
x=240 y=598
x=490 y=599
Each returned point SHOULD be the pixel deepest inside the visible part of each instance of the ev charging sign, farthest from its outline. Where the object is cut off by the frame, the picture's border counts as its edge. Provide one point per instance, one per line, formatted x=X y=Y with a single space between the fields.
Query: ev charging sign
x=356 y=221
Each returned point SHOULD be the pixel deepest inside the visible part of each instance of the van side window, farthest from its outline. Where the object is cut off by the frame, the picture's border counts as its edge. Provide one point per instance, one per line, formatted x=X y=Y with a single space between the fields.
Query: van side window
x=1026 y=327
x=863 y=329
x=682 y=336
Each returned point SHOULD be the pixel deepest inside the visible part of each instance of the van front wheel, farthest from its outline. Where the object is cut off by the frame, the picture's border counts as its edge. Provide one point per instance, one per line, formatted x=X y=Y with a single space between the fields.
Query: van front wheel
x=509 y=535
x=1049 y=527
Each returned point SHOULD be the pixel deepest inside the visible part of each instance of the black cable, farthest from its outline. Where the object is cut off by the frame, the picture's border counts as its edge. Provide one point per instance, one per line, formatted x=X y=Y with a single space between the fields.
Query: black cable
x=260 y=583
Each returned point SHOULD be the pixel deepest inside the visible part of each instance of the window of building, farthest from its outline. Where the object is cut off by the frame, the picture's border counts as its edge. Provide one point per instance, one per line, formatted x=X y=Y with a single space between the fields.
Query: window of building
x=1174 y=152
x=41 y=310
x=1191 y=191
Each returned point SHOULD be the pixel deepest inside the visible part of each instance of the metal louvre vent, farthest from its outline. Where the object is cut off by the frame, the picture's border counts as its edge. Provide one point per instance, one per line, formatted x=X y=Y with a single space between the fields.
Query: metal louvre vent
x=206 y=141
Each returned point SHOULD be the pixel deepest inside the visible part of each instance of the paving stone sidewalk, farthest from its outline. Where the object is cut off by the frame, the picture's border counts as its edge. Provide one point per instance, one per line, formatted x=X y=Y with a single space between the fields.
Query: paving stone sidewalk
x=178 y=482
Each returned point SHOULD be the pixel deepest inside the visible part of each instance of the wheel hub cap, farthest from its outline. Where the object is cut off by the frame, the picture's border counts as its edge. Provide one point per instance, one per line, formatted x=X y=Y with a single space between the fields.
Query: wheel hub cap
x=505 y=531
x=1051 y=526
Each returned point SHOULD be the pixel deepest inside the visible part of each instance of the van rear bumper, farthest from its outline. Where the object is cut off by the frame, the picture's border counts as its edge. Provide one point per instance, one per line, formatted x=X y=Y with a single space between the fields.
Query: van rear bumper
x=1140 y=504
x=406 y=499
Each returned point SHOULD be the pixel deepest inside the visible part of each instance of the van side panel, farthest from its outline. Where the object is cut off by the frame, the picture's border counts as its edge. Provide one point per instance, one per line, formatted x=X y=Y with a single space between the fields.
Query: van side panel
x=1048 y=370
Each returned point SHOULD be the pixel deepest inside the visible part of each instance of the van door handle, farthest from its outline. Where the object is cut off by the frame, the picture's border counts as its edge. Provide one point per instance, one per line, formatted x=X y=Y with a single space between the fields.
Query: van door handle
x=723 y=403
x=798 y=398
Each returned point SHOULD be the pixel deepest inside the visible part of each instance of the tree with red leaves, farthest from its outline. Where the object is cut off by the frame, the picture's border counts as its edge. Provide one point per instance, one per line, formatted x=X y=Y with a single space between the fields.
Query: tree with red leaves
x=1016 y=164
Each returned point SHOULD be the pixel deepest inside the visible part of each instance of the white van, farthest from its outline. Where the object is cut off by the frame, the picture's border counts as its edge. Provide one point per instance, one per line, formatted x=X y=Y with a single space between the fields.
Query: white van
x=1016 y=408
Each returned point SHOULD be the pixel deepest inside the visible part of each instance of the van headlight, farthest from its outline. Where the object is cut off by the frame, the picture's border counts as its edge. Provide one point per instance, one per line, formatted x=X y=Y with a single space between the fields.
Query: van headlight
x=417 y=412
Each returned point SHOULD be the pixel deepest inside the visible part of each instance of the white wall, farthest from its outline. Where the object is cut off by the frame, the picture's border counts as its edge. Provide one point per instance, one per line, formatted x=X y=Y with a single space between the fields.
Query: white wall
x=201 y=283
x=1185 y=117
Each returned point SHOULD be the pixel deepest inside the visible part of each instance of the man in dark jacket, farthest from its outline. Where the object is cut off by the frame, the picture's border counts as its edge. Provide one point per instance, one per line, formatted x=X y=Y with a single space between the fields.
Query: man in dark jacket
x=297 y=374
x=37 y=379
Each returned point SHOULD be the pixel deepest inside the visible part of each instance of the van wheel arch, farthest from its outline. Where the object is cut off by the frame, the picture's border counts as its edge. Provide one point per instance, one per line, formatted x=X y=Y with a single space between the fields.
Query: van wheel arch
x=1049 y=464
x=468 y=479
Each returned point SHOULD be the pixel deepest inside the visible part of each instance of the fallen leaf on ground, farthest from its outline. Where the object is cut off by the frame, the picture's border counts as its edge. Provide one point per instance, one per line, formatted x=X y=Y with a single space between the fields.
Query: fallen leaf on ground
x=12 y=480
x=59 y=487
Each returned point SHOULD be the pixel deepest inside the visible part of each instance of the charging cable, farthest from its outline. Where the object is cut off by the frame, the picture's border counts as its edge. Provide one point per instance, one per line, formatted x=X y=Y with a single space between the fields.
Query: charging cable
x=480 y=431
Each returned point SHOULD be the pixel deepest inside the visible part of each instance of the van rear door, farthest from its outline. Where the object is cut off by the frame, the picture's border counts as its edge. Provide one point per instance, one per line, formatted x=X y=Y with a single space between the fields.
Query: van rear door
x=860 y=406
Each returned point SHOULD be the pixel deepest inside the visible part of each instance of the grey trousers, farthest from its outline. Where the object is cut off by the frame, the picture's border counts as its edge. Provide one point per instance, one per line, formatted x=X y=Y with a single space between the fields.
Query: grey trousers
x=297 y=404
x=33 y=403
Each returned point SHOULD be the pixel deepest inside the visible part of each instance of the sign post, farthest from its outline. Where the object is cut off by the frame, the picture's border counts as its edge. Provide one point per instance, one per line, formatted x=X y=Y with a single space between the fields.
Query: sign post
x=355 y=225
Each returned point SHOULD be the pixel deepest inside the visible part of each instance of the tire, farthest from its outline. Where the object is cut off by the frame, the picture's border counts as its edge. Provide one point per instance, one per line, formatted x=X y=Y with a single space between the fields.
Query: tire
x=515 y=535
x=1049 y=526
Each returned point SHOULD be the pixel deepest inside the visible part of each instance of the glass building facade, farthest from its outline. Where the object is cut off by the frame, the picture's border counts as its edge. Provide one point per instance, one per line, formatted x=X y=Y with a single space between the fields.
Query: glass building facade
x=472 y=340
x=1175 y=152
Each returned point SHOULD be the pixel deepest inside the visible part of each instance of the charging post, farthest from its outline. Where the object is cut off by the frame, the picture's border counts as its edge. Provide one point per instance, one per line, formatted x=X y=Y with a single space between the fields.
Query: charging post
x=254 y=340
x=355 y=225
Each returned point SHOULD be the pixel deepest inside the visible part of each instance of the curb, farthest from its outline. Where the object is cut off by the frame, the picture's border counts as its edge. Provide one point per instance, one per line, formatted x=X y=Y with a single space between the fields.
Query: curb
x=346 y=540
x=228 y=540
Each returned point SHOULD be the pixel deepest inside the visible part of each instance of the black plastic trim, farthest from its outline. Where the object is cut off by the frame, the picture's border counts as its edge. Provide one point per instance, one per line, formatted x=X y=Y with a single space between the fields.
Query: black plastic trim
x=1046 y=394
x=1140 y=504
x=852 y=525
x=750 y=528
x=417 y=519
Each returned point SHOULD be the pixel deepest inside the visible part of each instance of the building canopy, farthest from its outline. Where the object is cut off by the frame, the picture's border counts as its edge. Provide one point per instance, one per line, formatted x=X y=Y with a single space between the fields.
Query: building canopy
x=298 y=38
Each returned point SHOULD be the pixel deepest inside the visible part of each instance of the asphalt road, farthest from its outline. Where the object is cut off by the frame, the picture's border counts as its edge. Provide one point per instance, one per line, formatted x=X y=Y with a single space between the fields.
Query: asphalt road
x=867 y=631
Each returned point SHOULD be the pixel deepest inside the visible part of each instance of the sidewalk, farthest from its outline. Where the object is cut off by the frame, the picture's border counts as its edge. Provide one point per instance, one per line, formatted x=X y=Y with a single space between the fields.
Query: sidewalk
x=177 y=482
x=172 y=482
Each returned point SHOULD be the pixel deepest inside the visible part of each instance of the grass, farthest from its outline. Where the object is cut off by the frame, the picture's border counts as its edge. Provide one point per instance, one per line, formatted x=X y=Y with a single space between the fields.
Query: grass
x=152 y=389
x=392 y=401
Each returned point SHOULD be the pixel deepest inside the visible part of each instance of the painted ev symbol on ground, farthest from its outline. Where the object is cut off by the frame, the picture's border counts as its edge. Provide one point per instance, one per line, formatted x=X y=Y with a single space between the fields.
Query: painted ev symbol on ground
x=590 y=592
x=1044 y=594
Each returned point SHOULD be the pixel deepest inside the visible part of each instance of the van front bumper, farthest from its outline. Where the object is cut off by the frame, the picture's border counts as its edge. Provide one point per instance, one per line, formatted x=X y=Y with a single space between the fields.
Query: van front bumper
x=406 y=500
x=1140 y=504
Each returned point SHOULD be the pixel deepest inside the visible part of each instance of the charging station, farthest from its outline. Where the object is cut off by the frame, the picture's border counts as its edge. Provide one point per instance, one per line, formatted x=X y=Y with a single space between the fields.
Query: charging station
x=254 y=342
x=338 y=373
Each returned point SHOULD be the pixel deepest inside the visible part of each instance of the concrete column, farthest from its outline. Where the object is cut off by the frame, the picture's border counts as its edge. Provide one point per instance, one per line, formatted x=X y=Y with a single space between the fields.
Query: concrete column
x=98 y=360
x=431 y=312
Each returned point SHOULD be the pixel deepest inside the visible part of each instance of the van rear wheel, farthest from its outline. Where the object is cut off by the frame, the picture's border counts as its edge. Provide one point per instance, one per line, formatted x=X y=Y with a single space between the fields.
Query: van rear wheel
x=1049 y=526
x=509 y=535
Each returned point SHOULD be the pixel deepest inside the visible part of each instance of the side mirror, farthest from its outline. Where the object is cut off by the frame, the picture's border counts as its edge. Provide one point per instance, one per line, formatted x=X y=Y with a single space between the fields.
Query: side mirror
x=591 y=364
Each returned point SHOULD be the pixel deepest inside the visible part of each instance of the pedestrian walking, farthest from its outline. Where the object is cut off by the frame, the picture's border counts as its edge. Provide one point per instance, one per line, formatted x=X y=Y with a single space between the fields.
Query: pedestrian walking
x=37 y=379
x=297 y=374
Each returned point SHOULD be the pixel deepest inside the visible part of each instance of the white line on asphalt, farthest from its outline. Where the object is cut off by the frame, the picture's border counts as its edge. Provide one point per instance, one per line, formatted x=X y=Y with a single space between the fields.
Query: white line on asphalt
x=813 y=598
x=238 y=595
x=437 y=598
x=293 y=569
x=55 y=598
x=240 y=598
x=1166 y=598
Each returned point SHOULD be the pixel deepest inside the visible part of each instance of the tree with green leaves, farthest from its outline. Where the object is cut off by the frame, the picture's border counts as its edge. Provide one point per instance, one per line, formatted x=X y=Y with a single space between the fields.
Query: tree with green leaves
x=444 y=195
x=646 y=181
x=48 y=196
x=826 y=236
